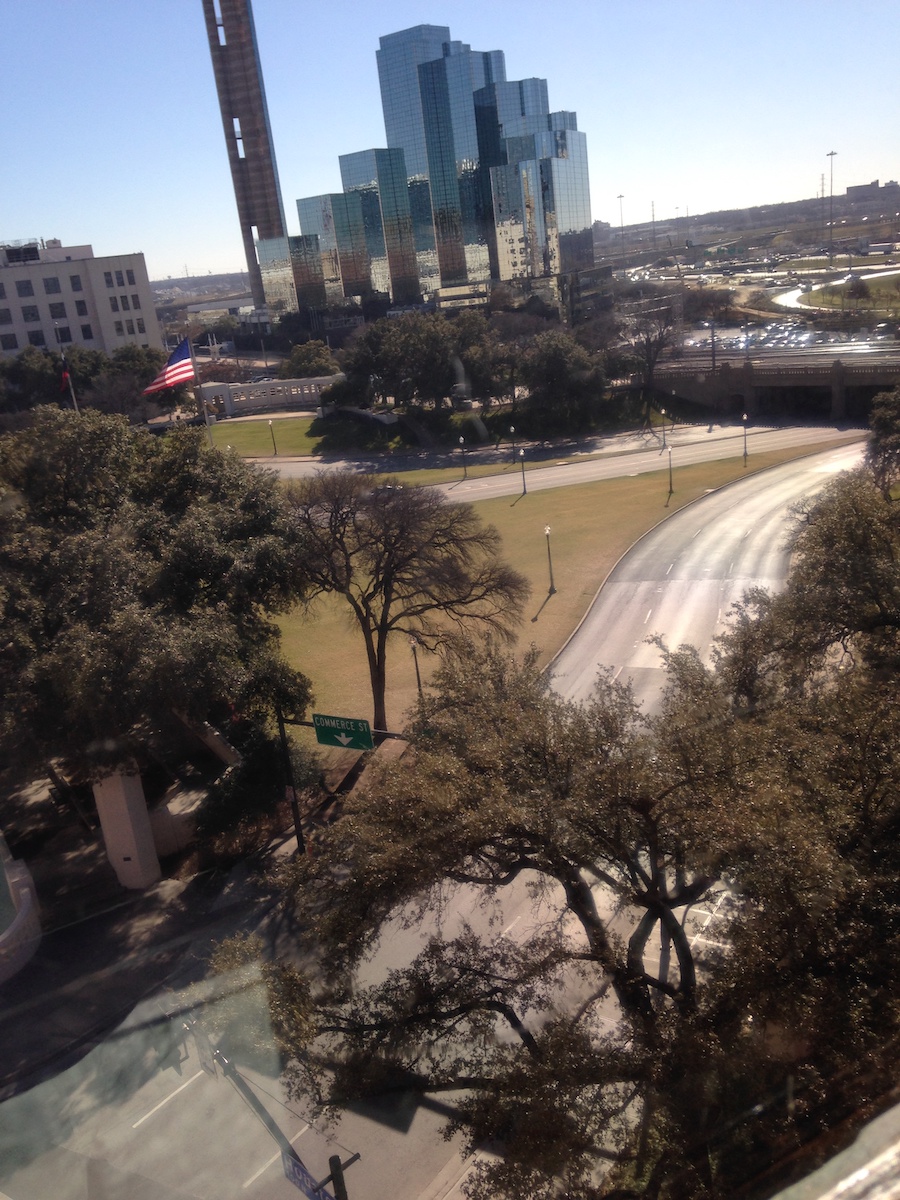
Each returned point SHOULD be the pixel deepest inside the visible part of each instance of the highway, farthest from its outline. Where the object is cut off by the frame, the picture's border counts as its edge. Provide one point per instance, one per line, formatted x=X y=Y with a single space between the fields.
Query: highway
x=144 y=1115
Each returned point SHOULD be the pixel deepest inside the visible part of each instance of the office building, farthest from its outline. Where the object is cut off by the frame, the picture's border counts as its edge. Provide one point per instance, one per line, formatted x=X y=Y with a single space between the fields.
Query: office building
x=291 y=274
x=53 y=296
x=337 y=220
x=379 y=178
x=245 y=121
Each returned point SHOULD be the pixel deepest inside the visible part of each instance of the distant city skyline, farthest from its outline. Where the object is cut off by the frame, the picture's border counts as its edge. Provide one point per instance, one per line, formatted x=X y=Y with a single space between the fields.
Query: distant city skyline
x=113 y=135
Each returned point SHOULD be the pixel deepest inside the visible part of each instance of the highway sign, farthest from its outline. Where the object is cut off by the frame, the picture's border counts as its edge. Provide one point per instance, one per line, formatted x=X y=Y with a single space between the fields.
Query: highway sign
x=349 y=733
x=297 y=1174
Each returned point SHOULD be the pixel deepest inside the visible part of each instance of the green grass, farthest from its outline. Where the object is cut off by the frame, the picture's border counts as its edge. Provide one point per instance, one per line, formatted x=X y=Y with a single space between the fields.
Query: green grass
x=592 y=525
x=253 y=438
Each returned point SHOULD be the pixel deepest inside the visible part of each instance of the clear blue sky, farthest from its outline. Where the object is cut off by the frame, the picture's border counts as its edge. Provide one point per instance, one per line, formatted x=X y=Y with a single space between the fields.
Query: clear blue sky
x=112 y=136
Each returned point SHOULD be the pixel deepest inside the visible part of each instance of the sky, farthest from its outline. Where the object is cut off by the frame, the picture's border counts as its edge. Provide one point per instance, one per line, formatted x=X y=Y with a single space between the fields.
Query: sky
x=111 y=133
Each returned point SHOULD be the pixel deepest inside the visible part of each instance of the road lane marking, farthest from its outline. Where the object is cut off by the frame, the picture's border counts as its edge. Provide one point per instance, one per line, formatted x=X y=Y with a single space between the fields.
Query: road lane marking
x=699 y=531
x=512 y=925
x=171 y=1096
x=671 y=565
x=274 y=1158
x=647 y=618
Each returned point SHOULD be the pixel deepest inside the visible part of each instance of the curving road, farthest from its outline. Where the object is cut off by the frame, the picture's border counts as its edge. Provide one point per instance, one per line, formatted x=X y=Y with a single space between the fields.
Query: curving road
x=681 y=580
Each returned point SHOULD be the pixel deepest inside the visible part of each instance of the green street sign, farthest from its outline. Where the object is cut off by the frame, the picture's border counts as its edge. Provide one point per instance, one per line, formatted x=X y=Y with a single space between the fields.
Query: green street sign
x=347 y=732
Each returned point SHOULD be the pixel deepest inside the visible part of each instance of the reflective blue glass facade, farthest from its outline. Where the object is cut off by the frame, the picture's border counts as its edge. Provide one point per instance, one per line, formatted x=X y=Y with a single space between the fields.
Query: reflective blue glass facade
x=337 y=220
x=379 y=178
x=460 y=198
x=291 y=270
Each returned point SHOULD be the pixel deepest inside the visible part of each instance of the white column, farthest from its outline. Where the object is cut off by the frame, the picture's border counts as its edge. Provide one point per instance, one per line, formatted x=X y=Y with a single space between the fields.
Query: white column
x=126 y=829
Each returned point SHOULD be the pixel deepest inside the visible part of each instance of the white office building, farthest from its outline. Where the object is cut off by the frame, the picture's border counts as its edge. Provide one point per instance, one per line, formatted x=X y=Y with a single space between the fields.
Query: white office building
x=53 y=296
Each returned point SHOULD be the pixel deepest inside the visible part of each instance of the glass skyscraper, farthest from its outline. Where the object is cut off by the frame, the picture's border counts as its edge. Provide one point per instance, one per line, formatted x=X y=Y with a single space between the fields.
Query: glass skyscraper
x=337 y=220
x=379 y=178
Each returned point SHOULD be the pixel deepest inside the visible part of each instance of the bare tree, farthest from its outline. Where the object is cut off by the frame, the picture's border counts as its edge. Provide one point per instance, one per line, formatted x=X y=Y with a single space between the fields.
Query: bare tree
x=406 y=560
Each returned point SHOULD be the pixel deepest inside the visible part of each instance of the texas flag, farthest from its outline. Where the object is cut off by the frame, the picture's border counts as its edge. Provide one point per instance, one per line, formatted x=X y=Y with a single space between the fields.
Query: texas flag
x=179 y=369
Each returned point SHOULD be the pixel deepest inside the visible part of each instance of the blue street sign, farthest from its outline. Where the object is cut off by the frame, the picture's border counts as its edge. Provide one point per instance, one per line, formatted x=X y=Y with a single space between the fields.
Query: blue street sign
x=297 y=1174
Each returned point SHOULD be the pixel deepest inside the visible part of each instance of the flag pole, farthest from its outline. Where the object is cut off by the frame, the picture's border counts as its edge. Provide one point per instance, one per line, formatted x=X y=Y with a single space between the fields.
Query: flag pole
x=68 y=375
x=198 y=388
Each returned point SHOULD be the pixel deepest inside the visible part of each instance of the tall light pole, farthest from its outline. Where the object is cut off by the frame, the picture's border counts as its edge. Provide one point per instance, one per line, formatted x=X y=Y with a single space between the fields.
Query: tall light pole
x=512 y=434
x=662 y=413
x=462 y=446
x=744 y=419
x=552 y=591
x=272 y=432
x=414 y=646
x=620 y=198
x=831 y=154
x=522 y=461
x=671 y=484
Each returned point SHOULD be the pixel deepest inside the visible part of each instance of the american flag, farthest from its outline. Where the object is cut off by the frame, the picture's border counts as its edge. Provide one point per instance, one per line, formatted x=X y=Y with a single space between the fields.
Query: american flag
x=179 y=369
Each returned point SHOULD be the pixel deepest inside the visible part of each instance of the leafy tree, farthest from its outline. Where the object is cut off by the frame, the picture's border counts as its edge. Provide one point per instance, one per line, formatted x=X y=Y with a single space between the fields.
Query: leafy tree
x=411 y=356
x=308 y=360
x=597 y=813
x=650 y=327
x=136 y=577
x=883 y=453
x=406 y=561
x=565 y=385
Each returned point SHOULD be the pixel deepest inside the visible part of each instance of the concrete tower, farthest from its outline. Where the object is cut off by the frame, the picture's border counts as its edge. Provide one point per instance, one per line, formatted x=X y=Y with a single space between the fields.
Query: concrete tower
x=245 y=120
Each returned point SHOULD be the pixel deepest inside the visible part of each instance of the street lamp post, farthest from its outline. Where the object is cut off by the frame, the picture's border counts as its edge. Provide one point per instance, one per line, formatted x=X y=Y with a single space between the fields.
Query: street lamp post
x=662 y=413
x=831 y=154
x=744 y=419
x=414 y=646
x=272 y=432
x=671 y=484
x=522 y=461
x=512 y=434
x=552 y=590
x=620 y=198
x=462 y=446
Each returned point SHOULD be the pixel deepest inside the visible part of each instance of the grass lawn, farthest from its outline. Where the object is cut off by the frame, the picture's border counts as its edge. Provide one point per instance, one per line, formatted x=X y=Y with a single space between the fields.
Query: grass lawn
x=592 y=525
x=253 y=439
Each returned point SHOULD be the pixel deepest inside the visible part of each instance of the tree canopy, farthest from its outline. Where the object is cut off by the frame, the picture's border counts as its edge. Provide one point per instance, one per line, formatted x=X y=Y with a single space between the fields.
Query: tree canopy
x=308 y=360
x=136 y=576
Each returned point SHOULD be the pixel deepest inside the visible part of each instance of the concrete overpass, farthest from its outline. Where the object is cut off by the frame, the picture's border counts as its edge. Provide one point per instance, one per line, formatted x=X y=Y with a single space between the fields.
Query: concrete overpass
x=736 y=381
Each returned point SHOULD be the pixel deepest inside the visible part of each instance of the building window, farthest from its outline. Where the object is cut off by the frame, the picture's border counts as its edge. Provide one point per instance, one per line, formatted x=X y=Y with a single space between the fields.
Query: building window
x=120 y=328
x=24 y=287
x=87 y=334
x=36 y=337
x=8 y=341
x=129 y=327
x=2 y=291
x=63 y=333
x=75 y=282
x=108 y=279
x=120 y=279
x=5 y=316
x=135 y=301
x=126 y=307
x=57 y=311
x=51 y=285
x=30 y=314
x=81 y=308
x=113 y=304
x=129 y=275
x=140 y=325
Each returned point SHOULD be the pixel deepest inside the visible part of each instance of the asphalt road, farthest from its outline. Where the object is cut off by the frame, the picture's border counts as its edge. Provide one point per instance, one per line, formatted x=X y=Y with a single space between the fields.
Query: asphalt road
x=680 y=581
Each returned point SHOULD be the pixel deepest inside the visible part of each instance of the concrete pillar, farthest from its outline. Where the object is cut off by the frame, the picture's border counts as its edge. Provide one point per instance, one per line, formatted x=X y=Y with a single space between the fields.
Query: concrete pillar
x=838 y=391
x=127 y=835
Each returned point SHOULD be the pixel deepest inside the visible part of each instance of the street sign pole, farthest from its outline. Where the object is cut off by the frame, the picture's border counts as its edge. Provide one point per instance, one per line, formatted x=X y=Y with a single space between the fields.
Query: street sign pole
x=347 y=733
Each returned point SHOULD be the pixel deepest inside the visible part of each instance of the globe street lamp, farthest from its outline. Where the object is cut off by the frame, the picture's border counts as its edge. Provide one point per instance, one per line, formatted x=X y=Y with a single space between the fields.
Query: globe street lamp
x=552 y=591
x=671 y=485
x=512 y=434
x=522 y=461
x=272 y=432
x=462 y=446
x=662 y=413
x=744 y=419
